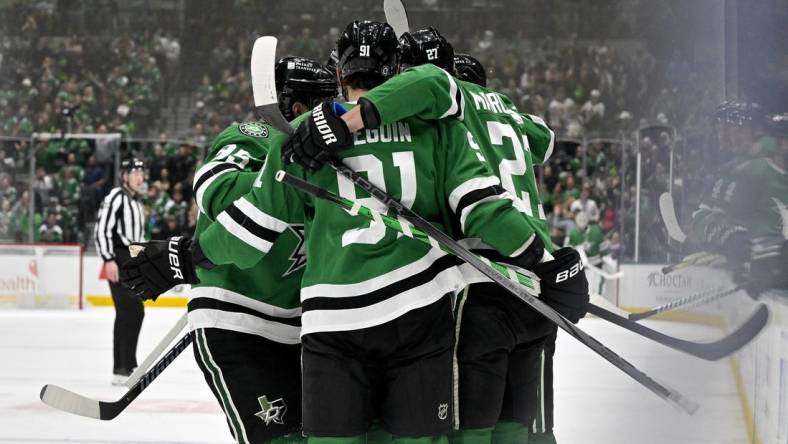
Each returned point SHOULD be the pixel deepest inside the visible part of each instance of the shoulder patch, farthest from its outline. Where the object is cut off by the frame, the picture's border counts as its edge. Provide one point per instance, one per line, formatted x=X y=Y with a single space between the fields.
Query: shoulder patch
x=254 y=129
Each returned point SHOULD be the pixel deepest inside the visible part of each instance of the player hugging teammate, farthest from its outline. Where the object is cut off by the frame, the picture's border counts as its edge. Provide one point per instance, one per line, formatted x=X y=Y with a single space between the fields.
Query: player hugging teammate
x=379 y=332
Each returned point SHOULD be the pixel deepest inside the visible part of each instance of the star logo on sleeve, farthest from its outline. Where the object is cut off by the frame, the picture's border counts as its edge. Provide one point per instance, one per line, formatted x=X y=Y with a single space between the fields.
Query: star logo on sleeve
x=298 y=256
x=273 y=411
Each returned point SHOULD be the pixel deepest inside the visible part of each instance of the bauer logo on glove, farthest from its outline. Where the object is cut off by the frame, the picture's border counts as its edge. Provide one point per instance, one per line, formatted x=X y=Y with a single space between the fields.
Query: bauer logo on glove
x=318 y=138
x=157 y=266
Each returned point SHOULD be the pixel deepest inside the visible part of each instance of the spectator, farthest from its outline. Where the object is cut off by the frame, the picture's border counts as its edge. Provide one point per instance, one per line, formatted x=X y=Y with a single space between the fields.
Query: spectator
x=593 y=111
x=50 y=231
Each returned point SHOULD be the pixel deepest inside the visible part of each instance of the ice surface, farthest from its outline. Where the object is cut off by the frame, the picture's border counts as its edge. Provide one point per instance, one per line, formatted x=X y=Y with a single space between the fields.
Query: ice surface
x=595 y=403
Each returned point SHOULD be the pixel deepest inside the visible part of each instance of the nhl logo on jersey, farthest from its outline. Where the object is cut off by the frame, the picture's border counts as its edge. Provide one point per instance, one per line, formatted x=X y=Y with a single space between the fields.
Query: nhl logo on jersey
x=273 y=411
x=254 y=129
x=443 y=411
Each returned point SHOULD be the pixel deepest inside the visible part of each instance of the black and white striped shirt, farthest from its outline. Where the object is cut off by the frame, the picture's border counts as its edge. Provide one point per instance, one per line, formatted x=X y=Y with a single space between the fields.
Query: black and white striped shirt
x=120 y=222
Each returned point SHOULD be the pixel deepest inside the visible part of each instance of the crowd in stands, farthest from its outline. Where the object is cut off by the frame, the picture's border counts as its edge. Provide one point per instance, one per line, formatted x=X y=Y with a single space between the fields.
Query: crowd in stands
x=120 y=81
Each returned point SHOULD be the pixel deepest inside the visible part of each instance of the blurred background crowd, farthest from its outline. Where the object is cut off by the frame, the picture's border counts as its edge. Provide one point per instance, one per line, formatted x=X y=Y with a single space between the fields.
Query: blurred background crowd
x=168 y=76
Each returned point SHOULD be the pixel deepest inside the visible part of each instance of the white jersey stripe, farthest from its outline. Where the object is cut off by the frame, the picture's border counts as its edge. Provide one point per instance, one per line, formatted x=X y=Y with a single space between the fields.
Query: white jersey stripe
x=260 y=218
x=224 y=295
x=242 y=233
x=446 y=281
x=477 y=183
x=455 y=106
x=200 y=192
x=244 y=323
x=368 y=286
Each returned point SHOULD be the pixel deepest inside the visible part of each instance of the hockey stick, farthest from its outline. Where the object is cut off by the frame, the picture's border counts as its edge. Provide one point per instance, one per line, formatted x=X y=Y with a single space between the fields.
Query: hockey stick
x=157 y=351
x=396 y=16
x=668 y=212
x=709 y=351
x=68 y=401
x=593 y=268
x=263 y=60
x=702 y=259
x=694 y=300
x=599 y=301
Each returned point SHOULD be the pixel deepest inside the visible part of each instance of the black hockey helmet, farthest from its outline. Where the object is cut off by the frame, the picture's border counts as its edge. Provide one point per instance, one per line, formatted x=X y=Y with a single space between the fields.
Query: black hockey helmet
x=299 y=79
x=426 y=46
x=367 y=47
x=470 y=69
x=331 y=63
x=132 y=164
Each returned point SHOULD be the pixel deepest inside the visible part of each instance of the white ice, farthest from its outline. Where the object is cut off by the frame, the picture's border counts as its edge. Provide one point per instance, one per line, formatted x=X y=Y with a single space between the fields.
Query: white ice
x=595 y=403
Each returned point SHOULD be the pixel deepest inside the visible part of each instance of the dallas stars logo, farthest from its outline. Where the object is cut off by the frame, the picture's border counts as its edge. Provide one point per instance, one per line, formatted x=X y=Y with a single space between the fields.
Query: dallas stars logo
x=254 y=129
x=273 y=411
x=298 y=256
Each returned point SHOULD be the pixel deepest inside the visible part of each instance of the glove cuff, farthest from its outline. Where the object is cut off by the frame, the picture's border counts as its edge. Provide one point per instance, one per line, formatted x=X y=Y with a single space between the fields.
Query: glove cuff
x=369 y=114
x=198 y=257
x=531 y=256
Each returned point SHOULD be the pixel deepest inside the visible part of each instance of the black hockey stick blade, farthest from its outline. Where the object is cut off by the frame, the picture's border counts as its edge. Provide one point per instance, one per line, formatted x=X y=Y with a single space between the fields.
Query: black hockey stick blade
x=74 y=403
x=710 y=351
x=264 y=83
x=263 y=98
x=692 y=300
x=396 y=16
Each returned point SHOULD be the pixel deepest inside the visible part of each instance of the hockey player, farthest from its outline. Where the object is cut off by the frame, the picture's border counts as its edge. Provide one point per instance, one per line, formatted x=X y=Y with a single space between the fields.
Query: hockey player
x=745 y=214
x=247 y=321
x=377 y=325
x=498 y=375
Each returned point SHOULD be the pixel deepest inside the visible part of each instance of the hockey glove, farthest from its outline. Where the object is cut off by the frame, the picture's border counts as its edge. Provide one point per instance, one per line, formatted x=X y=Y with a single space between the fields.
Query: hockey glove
x=732 y=241
x=564 y=284
x=318 y=138
x=161 y=265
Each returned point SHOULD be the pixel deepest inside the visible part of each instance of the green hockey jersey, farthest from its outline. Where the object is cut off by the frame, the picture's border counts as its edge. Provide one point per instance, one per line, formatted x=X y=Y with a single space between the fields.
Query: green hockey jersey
x=753 y=195
x=359 y=273
x=261 y=299
x=591 y=240
x=511 y=142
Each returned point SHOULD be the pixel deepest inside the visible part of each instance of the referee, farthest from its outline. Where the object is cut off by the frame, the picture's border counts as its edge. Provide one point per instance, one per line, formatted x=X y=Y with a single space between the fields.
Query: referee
x=121 y=222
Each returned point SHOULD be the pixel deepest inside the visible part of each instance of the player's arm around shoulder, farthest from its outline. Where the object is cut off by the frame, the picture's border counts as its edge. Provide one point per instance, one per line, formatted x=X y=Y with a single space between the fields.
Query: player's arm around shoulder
x=479 y=202
x=247 y=228
x=424 y=91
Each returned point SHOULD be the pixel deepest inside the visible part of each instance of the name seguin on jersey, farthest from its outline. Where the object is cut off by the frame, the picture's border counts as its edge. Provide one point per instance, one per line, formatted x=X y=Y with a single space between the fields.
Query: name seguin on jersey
x=391 y=132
